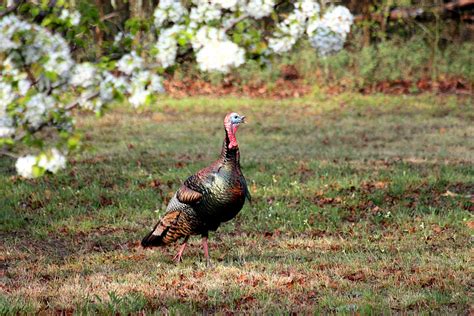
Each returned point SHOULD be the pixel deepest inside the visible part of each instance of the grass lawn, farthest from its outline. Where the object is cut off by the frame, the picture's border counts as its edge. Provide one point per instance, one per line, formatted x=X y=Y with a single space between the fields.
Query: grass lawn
x=360 y=204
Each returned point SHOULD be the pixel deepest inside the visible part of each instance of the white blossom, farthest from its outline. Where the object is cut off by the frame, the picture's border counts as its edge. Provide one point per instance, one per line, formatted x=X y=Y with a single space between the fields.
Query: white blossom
x=35 y=42
x=220 y=56
x=6 y=94
x=74 y=17
x=293 y=25
x=226 y=4
x=329 y=33
x=6 y=131
x=290 y=29
x=147 y=79
x=37 y=107
x=52 y=162
x=259 y=8
x=106 y=91
x=309 y=8
x=167 y=45
x=52 y=46
x=83 y=75
x=207 y=34
x=326 y=42
x=120 y=83
x=9 y=66
x=130 y=62
x=23 y=86
x=138 y=97
x=9 y=26
x=281 y=45
x=204 y=11
x=6 y=125
x=339 y=20
x=90 y=104
x=144 y=84
x=156 y=84
x=326 y=34
x=168 y=10
x=120 y=37
x=24 y=166
x=64 y=14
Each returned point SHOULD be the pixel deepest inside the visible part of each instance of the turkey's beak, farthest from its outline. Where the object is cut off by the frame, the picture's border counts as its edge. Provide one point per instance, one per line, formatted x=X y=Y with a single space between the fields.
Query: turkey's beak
x=242 y=119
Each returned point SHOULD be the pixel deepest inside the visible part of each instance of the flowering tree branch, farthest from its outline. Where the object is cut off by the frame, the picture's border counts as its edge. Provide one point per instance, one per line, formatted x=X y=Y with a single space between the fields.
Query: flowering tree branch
x=38 y=68
x=233 y=22
x=78 y=101
x=68 y=108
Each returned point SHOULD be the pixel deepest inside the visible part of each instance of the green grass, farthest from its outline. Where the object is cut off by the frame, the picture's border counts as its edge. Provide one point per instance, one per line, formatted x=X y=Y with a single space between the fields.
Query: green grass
x=360 y=204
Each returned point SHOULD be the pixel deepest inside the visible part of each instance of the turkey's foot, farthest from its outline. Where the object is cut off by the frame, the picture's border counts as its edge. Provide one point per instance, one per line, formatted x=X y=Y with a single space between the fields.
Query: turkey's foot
x=179 y=255
x=206 y=252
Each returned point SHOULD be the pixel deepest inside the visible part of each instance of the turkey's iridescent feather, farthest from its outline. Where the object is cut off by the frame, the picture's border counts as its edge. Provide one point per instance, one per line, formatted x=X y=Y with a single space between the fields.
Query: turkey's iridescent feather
x=188 y=196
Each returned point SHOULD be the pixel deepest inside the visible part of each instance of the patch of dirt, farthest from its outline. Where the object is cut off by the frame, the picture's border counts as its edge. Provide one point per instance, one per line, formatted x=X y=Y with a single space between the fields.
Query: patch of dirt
x=59 y=246
x=304 y=172
x=449 y=85
x=292 y=85
x=54 y=246
x=281 y=89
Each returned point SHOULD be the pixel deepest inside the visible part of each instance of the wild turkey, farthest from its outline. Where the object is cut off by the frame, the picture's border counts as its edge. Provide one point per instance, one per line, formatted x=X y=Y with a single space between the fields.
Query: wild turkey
x=206 y=199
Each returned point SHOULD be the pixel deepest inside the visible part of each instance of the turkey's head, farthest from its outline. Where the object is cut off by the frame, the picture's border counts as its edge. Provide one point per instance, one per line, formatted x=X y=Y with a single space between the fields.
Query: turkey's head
x=231 y=124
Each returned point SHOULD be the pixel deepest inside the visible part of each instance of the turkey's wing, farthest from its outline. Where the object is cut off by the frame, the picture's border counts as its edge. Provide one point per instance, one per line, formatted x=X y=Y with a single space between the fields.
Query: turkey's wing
x=188 y=196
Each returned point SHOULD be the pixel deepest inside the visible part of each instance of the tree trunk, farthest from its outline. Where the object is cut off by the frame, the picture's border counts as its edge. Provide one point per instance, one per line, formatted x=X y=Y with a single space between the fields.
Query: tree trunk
x=99 y=36
x=142 y=8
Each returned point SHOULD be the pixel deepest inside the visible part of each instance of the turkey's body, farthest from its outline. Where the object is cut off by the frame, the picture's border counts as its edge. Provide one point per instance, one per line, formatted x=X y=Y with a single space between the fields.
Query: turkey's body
x=208 y=198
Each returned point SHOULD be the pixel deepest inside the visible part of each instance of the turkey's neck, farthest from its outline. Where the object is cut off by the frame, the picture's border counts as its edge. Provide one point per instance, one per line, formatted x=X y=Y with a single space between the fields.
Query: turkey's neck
x=230 y=149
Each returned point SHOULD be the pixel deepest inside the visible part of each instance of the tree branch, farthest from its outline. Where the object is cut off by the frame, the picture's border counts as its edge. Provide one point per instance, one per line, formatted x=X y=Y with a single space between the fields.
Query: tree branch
x=76 y=102
x=11 y=8
x=5 y=152
x=110 y=15
x=235 y=21
x=29 y=74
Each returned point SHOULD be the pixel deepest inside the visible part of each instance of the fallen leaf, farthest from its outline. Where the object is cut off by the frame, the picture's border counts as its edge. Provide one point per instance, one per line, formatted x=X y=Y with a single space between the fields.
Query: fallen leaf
x=356 y=276
x=380 y=185
x=198 y=274
x=437 y=229
x=241 y=278
x=268 y=234
x=449 y=193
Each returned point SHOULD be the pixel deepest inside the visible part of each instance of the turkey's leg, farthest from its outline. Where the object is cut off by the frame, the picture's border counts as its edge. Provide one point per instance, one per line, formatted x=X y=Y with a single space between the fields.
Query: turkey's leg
x=206 y=250
x=178 y=256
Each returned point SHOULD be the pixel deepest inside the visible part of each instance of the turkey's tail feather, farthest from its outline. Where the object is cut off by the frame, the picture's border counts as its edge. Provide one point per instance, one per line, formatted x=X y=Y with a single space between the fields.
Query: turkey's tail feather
x=151 y=240
x=167 y=230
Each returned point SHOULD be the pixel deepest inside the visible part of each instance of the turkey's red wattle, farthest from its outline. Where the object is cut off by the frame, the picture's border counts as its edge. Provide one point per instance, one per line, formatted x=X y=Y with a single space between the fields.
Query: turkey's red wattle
x=231 y=130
